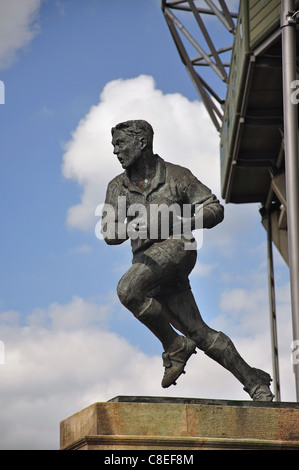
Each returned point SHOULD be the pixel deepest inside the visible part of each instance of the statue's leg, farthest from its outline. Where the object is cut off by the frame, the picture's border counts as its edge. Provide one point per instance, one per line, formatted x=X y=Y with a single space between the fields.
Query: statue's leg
x=153 y=272
x=183 y=311
x=132 y=290
x=256 y=382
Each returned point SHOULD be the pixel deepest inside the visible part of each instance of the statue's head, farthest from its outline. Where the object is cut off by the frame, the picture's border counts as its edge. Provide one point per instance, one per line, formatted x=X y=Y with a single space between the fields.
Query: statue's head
x=130 y=139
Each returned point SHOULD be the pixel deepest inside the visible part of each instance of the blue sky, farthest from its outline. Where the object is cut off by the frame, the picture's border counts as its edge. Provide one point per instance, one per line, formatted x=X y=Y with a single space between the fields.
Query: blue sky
x=71 y=70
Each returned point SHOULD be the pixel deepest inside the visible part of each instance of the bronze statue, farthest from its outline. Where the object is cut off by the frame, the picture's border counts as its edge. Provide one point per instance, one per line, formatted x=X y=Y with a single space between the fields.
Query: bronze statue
x=156 y=288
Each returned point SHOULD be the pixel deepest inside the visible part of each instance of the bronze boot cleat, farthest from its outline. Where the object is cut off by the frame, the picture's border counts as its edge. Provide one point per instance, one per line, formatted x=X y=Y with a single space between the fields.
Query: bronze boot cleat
x=174 y=362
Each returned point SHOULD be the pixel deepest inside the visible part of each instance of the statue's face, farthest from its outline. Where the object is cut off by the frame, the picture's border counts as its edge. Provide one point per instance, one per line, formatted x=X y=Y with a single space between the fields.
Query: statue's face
x=127 y=148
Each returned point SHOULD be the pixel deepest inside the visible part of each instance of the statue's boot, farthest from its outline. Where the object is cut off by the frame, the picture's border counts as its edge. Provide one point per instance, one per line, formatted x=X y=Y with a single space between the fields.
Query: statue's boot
x=256 y=382
x=175 y=361
x=178 y=349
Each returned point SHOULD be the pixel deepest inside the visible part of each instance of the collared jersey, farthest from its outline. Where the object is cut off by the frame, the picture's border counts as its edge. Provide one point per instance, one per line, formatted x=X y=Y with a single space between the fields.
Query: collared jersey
x=171 y=185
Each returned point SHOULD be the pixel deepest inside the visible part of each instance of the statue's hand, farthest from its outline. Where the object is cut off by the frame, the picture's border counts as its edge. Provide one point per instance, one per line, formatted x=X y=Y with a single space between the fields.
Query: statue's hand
x=137 y=228
x=192 y=223
x=186 y=223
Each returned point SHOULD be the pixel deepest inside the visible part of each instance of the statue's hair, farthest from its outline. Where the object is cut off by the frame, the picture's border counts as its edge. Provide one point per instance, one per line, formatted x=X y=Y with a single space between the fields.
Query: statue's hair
x=137 y=127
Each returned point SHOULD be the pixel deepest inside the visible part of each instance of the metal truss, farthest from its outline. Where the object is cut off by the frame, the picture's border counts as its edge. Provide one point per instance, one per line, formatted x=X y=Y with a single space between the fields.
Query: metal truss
x=209 y=54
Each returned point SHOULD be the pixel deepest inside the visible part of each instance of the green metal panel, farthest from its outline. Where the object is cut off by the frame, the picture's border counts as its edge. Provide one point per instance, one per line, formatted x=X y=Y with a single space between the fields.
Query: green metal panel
x=264 y=17
x=239 y=61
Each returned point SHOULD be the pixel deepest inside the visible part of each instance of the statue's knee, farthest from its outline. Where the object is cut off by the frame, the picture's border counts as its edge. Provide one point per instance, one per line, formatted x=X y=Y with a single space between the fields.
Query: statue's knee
x=128 y=295
x=123 y=292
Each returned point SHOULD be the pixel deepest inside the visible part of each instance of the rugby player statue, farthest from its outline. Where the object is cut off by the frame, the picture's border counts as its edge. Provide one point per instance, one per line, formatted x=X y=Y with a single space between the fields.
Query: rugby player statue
x=156 y=288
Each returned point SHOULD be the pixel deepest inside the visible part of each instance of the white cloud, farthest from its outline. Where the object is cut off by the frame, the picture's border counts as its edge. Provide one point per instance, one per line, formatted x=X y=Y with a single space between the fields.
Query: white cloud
x=183 y=135
x=66 y=358
x=17 y=27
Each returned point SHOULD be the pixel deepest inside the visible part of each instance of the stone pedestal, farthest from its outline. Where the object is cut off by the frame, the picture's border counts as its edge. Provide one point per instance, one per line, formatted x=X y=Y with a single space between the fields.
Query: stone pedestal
x=181 y=424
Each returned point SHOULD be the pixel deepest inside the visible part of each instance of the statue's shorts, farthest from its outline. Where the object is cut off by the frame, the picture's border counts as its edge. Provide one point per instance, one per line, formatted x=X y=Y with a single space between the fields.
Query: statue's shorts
x=163 y=268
